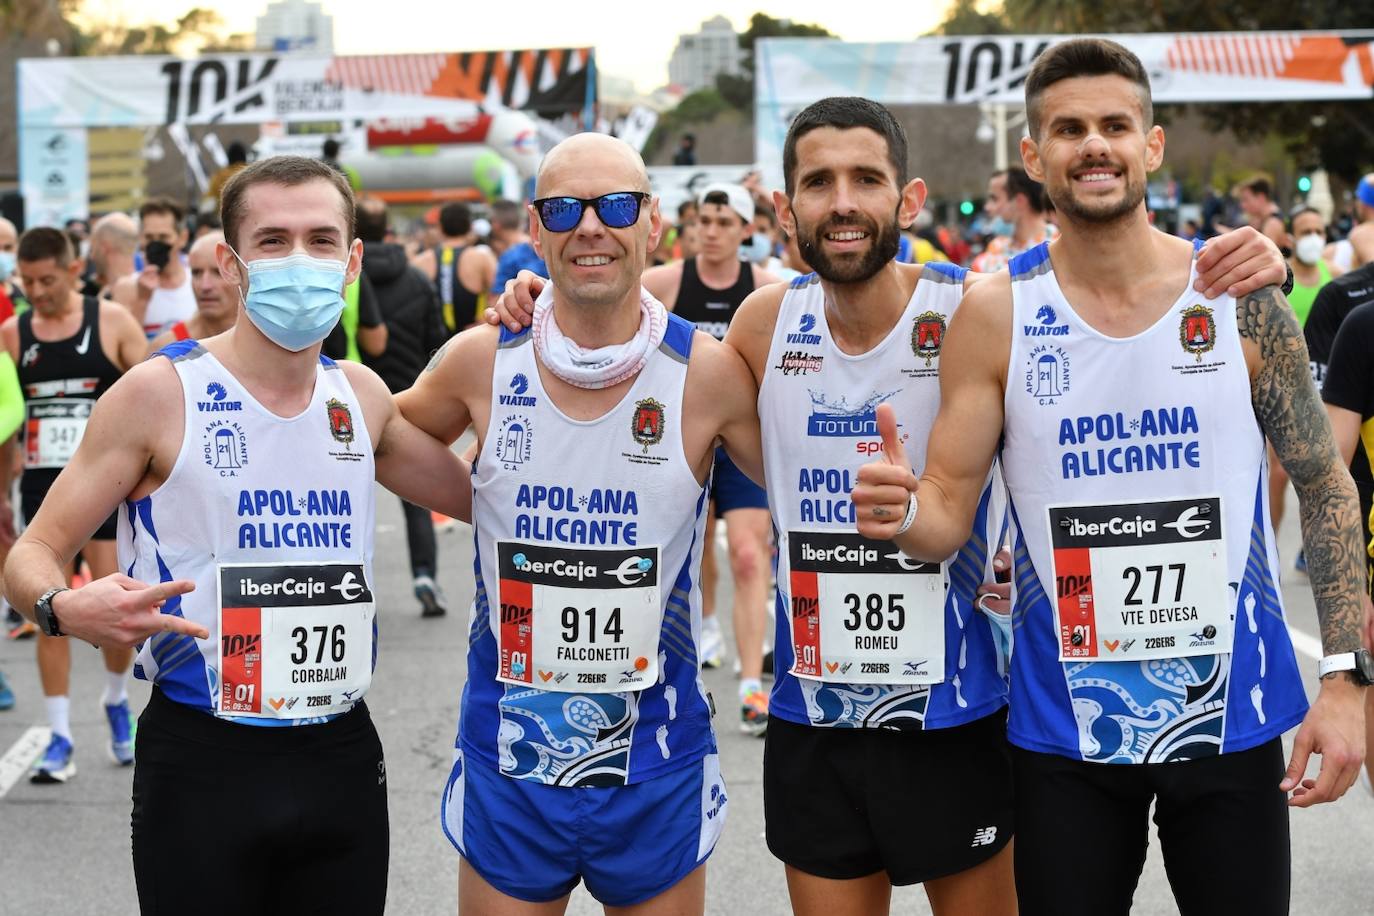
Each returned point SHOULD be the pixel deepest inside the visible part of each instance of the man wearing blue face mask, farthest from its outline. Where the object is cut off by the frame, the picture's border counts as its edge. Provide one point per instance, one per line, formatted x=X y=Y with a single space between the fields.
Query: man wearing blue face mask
x=242 y=467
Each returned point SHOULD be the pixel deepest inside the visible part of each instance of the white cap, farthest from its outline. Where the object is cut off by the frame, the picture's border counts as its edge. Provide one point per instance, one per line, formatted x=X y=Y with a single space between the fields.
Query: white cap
x=482 y=227
x=741 y=201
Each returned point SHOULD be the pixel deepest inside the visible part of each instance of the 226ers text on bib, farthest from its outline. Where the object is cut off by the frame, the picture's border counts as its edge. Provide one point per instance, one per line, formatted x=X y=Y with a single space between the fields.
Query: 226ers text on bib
x=295 y=638
x=579 y=619
x=1140 y=580
x=863 y=612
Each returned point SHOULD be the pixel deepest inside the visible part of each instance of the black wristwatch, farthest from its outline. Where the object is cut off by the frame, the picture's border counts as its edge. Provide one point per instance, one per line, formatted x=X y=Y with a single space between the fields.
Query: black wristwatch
x=43 y=614
x=1359 y=663
x=1287 y=286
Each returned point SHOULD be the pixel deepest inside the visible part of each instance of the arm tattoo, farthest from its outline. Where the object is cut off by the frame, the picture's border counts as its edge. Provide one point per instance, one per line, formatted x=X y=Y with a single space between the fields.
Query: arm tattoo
x=438 y=356
x=1292 y=417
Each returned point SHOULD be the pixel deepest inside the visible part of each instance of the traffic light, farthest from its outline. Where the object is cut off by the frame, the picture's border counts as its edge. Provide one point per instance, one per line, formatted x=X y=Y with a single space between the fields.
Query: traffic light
x=1304 y=184
x=966 y=208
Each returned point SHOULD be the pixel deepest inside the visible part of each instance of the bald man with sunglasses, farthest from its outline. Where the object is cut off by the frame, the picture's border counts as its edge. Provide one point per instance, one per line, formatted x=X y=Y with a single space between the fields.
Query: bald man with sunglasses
x=585 y=750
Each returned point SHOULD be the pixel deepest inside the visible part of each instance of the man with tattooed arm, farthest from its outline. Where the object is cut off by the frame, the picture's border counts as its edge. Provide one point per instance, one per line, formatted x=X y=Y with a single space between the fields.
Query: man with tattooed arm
x=1151 y=661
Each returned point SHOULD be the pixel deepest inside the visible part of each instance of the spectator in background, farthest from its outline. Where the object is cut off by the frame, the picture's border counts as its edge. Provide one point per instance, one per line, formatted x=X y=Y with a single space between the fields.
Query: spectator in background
x=688 y=243
x=461 y=269
x=114 y=240
x=510 y=237
x=160 y=294
x=1213 y=206
x=1307 y=240
x=237 y=154
x=686 y=151
x=1016 y=205
x=1256 y=198
x=11 y=297
x=410 y=309
x=330 y=158
x=1361 y=236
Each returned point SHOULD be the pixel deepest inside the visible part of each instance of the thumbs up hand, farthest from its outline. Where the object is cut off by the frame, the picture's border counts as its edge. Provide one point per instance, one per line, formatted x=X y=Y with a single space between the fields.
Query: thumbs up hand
x=884 y=487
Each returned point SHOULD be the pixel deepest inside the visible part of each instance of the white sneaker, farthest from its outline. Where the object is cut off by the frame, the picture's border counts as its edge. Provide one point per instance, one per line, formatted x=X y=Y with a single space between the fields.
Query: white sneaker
x=712 y=643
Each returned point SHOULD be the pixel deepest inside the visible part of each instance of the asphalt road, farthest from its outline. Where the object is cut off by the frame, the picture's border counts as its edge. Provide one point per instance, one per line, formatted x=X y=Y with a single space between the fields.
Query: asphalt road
x=65 y=849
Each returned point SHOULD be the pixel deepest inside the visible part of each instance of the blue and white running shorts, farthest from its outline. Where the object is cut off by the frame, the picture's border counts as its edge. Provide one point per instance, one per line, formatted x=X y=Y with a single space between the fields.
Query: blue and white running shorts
x=629 y=843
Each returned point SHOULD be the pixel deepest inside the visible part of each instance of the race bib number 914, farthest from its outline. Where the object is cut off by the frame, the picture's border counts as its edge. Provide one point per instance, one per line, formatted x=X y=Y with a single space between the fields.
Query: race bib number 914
x=1140 y=580
x=578 y=620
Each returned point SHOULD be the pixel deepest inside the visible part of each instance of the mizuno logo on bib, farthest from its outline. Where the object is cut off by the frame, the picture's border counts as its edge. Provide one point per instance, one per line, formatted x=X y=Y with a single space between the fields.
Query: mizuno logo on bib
x=579 y=620
x=295 y=639
x=863 y=612
x=1140 y=580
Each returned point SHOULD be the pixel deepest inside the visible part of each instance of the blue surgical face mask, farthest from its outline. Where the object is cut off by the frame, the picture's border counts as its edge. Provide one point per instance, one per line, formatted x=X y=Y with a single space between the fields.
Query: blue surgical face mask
x=296 y=300
x=757 y=249
x=1000 y=226
x=7 y=264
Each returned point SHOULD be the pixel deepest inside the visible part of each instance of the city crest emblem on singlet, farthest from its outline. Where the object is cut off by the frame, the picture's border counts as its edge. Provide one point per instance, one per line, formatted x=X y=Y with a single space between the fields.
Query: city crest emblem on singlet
x=340 y=421
x=927 y=334
x=1197 y=330
x=647 y=425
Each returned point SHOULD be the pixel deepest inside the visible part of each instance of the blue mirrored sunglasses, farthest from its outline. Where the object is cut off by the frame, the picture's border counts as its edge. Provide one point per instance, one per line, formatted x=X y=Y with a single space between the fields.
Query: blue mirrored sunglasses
x=617 y=210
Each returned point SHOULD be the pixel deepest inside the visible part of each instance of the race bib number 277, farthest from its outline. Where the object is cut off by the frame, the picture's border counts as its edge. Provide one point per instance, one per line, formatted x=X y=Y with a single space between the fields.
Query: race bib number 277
x=1140 y=580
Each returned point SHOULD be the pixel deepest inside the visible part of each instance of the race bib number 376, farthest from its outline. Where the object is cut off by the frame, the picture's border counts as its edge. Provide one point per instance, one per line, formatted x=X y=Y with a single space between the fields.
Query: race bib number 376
x=1141 y=580
x=295 y=639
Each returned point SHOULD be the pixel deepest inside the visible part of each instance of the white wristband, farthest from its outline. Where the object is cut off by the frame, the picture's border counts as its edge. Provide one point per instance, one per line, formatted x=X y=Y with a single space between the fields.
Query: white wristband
x=910 y=514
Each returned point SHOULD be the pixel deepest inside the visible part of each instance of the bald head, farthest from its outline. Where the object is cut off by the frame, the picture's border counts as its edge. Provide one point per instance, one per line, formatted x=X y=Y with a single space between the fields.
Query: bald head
x=118 y=231
x=215 y=298
x=9 y=235
x=587 y=155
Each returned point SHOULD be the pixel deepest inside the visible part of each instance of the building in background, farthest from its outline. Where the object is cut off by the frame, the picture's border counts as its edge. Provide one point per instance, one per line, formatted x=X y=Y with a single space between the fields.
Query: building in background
x=296 y=25
x=700 y=56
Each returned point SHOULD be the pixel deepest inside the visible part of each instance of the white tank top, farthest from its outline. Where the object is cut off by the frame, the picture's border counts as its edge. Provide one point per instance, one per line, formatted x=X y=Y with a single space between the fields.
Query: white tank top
x=272 y=518
x=583 y=662
x=851 y=648
x=168 y=306
x=1149 y=622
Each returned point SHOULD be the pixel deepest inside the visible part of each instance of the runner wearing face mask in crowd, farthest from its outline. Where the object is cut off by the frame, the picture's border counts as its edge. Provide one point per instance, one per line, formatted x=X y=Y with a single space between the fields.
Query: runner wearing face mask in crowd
x=244 y=467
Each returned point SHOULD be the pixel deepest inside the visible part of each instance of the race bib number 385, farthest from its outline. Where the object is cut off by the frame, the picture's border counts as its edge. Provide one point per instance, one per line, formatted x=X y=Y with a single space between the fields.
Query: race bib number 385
x=1140 y=580
x=295 y=639
x=863 y=612
x=578 y=620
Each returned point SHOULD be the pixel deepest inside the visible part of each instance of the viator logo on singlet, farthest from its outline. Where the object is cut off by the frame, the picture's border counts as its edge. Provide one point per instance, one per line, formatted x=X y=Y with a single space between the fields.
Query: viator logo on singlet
x=803 y=335
x=217 y=403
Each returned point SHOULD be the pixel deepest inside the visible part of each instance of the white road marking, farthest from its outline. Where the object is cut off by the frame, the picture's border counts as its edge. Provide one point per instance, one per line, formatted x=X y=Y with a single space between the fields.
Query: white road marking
x=21 y=755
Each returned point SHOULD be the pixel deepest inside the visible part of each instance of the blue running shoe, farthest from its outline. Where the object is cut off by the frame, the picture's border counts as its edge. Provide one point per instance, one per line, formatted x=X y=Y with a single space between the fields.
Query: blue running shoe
x=121 y=745
x=56 y=763
x=6 y=695
x=1300 y=564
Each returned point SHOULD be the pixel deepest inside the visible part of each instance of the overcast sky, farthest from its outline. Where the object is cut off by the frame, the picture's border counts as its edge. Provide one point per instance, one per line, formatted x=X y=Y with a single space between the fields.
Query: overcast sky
x=633 y=40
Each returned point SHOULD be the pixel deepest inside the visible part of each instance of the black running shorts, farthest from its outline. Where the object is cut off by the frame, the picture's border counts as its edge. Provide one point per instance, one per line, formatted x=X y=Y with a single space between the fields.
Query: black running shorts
x=845 y=803
x=234 y=819
x=1082 y=829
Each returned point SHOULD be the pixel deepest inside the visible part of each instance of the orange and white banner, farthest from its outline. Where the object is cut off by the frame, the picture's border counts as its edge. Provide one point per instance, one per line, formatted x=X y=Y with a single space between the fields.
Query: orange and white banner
x=1183 y=67
x=253 y=88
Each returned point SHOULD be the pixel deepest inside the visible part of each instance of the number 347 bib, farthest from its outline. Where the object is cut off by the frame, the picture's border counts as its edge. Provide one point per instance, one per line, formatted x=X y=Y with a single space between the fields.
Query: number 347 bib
x=577 y=619
x=295 y=639
x=1137 y=581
